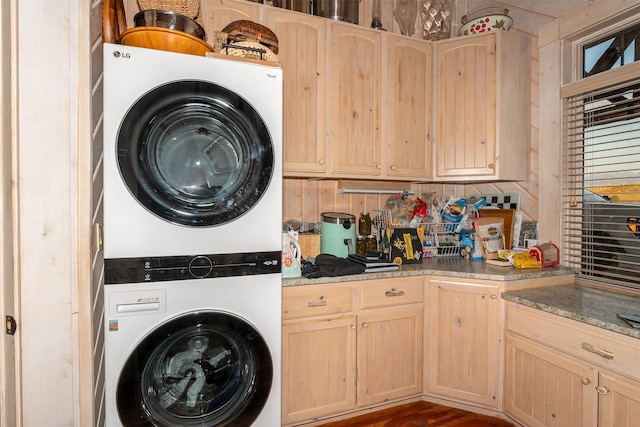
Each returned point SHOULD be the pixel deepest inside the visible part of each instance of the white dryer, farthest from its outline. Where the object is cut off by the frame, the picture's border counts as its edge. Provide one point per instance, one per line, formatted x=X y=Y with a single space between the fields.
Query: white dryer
x=199 y=352
x=192 y=154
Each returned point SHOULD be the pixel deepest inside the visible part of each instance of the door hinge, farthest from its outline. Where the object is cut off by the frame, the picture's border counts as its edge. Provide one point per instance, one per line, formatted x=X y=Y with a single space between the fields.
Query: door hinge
x=11 y=325
x=98 y=242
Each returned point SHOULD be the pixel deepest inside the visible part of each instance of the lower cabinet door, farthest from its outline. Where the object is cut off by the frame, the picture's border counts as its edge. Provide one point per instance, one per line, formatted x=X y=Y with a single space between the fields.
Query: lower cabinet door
x=318 y=375
x=619 y=401
x=463 y=341
x=389 y=354
x=545 y=388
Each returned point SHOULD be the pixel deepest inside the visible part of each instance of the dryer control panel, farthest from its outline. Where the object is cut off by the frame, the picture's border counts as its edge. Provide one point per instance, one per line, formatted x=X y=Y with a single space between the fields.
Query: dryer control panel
x=160 y=269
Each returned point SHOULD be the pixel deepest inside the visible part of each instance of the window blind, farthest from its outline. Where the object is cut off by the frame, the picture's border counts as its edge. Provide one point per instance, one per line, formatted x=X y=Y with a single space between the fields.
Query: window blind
x=601 y=184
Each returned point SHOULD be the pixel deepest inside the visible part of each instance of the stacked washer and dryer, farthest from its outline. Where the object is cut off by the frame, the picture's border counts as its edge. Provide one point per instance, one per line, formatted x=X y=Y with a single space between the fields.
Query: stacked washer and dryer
x=192 y=240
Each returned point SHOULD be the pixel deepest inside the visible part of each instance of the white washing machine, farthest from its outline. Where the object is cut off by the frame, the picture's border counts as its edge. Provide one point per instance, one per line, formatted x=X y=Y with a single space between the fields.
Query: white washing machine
x=198 y=352
x=192 y=154
x=192 y=240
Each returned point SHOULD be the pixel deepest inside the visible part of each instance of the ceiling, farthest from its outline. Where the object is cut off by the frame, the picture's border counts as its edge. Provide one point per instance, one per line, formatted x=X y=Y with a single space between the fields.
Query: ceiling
x=528 y=15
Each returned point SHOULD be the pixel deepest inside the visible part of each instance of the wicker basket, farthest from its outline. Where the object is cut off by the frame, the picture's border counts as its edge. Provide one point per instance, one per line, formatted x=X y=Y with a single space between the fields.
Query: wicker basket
x=188 y=8
x=252 y=49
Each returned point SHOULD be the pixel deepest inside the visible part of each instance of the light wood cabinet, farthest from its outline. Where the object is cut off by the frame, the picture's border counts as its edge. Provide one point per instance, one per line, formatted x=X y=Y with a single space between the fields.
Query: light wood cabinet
x=464 y=341
x=482 y=97
x=355 y=100
x=302 y=41
x=318 y=352
x=407 y=112
x=619 y=401
x=560 y=372
x=545 y=388
x=318 y=376
x=217 y=14
x=390 y=330
x=350 y=345
x=389 y=355
x=360 y=103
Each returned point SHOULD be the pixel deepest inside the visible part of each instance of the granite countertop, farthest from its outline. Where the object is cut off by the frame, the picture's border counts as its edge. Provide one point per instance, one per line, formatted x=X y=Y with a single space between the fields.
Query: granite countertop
x=593 y=306
x=444 y=266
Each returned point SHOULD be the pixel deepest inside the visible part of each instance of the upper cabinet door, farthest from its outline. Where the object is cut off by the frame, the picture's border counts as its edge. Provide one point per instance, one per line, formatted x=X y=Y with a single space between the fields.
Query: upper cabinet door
x=466 y=98
x=217 y=14
x=355 y=100
x=482 y=97
x=408 y=109
x=302 y=52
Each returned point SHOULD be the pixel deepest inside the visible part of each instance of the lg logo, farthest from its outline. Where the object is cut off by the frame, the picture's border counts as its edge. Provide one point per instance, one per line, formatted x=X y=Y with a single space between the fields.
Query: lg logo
x=119 y=54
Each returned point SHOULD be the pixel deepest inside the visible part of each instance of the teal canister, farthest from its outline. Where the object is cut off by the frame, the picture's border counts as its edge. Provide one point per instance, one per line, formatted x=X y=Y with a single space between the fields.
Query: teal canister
x=338 y=234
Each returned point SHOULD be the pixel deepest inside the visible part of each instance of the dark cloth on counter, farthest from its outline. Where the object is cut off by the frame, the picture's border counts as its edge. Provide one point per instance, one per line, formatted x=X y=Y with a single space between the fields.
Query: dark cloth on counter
x=327 y=265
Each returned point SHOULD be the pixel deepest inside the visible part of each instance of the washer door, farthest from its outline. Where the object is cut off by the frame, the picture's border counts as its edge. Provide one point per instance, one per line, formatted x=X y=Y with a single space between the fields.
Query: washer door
x=195 y=153
x=201 y=369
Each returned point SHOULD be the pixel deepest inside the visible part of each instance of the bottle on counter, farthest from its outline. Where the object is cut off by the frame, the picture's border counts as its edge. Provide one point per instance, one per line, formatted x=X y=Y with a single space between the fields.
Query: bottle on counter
x=364 y=224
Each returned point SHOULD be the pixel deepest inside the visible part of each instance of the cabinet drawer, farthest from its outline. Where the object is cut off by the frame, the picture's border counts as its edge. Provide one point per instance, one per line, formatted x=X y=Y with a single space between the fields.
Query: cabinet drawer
x=315 y=300
x=601 y=347
x=392 y=292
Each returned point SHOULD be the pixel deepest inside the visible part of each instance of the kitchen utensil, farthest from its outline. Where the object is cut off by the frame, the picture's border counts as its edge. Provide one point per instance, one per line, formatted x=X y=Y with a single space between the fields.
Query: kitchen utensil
x=406 y=13
x=485 y=19
x=244 y=30
x=376 y=16
x=338 y=234
x=114 y=21
x=165 y=39
x=170 y=20
x=435 y=18
x=304 y=6
x=338 y=10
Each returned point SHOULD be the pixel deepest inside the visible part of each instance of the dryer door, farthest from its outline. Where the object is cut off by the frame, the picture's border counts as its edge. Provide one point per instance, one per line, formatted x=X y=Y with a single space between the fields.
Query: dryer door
x=195 y=153
x=200 y=369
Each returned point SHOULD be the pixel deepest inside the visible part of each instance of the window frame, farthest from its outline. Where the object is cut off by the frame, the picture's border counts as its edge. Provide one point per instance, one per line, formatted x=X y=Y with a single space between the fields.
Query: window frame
x=581 y=85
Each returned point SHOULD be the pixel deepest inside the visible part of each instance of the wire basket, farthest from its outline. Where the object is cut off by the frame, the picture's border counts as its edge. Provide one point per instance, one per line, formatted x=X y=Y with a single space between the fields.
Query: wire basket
x=442 y=236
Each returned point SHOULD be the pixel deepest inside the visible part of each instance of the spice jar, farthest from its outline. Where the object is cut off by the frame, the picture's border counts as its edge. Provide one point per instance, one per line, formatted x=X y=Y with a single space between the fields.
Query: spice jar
x=361 y=245
x=364 y=224
x=371 y=244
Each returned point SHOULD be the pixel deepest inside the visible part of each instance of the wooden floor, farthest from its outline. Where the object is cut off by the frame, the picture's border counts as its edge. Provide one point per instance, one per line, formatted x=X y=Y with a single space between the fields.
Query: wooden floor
x=421 y=414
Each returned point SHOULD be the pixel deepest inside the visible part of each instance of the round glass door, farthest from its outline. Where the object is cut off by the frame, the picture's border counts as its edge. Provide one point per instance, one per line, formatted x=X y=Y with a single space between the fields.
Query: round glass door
x=202 y=369
x=195 y=153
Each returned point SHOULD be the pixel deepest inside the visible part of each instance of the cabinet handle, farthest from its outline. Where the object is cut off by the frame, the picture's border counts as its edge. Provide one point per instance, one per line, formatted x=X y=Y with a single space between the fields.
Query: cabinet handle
x=490 y=165
x=318 y=303
x=393 y=167
x=321 y=161
x=493 y=296
x=353 y=327
x=602 y=389
x=365 y=325
x=600 y=352
x=378 y=167
x=586 y=381
x=482 y=141
x=393 y=293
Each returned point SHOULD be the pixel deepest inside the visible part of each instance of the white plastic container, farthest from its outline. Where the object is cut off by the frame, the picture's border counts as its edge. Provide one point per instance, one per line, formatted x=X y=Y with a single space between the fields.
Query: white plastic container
x=291 y=256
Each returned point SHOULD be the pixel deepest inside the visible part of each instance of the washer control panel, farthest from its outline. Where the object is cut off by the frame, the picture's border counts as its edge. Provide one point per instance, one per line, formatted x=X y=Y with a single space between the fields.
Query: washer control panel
x=160 y=269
